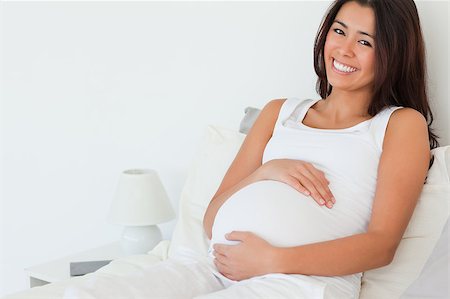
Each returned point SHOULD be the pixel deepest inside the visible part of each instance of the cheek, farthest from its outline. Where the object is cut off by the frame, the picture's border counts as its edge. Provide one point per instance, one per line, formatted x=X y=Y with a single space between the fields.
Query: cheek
x=330 y=43
x=328 y=50
x=370 y=61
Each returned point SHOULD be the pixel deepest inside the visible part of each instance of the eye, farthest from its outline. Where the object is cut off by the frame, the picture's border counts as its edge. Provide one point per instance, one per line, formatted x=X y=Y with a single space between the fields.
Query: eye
x=365 y=43
x=338 y=31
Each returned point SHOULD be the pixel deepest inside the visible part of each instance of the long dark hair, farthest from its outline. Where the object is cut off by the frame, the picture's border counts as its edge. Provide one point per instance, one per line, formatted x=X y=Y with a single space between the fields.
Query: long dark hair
x=400 y=71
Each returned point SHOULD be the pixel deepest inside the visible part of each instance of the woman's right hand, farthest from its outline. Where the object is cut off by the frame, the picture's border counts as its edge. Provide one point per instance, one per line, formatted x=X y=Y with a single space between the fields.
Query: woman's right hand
x=302 y=176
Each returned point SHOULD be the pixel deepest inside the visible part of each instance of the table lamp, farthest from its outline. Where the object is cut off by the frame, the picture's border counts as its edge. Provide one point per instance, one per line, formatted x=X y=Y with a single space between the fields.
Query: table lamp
x=140 y=202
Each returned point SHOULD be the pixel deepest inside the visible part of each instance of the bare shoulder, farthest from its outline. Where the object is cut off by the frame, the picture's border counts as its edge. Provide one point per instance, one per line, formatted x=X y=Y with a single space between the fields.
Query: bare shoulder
x=405 y=117
x=406 y=125
x=274 y=105
x=266 y=120
x=406 y=141
x=278 y=101
x=268 y=116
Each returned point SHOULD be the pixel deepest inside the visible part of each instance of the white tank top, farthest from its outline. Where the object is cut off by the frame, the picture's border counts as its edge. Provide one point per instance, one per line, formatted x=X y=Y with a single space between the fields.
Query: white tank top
x=349 y=157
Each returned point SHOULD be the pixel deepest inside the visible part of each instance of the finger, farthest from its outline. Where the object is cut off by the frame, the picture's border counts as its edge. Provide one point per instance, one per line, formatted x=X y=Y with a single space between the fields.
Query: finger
x=219 y=248
x=221 y=267
x=308 y=184
x=295 y=183
x=230 y=276
x=219 y=257
x=320 y=175
x=315 y=176
x=237 y=236
x=325 y=192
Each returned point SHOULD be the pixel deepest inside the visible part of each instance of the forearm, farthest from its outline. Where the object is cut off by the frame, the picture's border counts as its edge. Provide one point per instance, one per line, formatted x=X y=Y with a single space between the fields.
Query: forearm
x=344 y=256
x=217 y=202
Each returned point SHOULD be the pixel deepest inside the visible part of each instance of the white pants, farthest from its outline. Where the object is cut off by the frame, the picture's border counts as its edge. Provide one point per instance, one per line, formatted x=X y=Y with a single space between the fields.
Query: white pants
x=187 y=278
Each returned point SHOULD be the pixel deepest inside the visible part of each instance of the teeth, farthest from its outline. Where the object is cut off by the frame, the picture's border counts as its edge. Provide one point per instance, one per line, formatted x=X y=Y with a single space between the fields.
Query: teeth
x=343 y=68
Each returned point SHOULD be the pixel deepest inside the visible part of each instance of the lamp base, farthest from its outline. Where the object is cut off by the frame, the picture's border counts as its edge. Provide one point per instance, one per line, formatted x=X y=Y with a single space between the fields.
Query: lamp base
x=140 y=239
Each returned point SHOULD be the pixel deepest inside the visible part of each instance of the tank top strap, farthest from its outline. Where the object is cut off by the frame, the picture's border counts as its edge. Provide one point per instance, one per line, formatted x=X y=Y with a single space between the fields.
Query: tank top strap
x=290 y=107
x=379 y=124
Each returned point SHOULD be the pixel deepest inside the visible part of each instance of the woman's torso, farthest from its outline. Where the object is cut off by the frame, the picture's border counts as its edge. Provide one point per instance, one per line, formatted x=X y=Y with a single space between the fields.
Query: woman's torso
x=349 y=158
x=285 y=217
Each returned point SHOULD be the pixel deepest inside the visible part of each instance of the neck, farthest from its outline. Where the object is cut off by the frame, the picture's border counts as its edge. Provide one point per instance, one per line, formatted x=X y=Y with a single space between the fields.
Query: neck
x=341 y=105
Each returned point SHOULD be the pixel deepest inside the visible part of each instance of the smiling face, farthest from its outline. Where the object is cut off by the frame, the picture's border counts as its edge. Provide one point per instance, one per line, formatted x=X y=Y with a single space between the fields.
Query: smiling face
x=349 y=51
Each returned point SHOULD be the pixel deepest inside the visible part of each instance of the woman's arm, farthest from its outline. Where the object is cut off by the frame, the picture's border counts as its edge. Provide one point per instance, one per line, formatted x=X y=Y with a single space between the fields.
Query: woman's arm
x=401 y=173
x=249 y=158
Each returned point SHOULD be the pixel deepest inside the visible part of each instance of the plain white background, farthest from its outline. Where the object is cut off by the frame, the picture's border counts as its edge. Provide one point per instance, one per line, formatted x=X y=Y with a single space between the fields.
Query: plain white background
x=91 y=89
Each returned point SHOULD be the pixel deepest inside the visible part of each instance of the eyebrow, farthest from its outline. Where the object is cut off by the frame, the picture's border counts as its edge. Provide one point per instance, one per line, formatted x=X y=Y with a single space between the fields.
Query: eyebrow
x=346 y=27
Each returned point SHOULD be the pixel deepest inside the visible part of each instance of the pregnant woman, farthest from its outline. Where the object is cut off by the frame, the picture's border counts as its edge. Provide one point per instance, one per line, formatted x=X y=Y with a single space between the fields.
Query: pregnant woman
x=324 y=189
x=321 y=190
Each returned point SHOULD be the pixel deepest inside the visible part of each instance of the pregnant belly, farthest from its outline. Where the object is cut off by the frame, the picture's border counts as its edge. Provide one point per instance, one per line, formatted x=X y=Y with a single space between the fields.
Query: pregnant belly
x=282 y=216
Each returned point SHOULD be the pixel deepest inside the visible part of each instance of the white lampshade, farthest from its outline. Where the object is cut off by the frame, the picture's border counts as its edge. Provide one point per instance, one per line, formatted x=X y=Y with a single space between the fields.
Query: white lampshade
x=140 y=199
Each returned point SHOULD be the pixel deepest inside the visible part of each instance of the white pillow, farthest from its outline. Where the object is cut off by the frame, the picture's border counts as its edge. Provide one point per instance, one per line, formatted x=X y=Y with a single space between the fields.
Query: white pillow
x=216 y=153
x=218 y=150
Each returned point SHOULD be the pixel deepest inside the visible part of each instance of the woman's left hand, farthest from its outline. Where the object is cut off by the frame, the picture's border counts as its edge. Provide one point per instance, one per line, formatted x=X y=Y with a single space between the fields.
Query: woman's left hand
x=252 y=257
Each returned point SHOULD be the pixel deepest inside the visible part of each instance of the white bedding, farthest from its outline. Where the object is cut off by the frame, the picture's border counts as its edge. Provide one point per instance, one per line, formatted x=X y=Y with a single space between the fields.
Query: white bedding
x=120 y=267
x=431 y=210
x=136 y=279
x=153 y=280
x=433 y=283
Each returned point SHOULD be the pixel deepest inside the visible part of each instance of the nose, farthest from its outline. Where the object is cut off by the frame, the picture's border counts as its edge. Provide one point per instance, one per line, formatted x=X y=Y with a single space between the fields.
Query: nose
x=346 y=48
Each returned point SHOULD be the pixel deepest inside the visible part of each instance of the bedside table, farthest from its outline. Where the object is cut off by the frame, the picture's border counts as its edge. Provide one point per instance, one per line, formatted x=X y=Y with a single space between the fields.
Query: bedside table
x=59 y=269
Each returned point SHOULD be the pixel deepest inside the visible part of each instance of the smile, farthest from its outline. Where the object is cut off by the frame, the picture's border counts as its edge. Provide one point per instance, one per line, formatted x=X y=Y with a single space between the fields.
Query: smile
x=343 y=68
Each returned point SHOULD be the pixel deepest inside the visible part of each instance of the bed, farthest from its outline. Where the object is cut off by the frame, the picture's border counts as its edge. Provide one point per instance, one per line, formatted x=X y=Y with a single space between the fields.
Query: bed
x=419 y=269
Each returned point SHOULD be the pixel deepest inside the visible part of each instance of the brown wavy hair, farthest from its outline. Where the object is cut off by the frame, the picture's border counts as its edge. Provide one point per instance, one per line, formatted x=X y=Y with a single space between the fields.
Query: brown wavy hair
x=400 y=71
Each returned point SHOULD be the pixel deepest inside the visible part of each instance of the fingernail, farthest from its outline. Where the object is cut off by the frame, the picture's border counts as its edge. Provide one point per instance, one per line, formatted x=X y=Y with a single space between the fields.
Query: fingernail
x=307 y=192
x=322 y=201
x=333 y=200
x=329 y=204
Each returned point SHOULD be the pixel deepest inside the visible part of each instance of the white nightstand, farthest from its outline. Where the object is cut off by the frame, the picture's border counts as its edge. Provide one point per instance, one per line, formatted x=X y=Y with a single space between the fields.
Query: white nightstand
x=59 y=269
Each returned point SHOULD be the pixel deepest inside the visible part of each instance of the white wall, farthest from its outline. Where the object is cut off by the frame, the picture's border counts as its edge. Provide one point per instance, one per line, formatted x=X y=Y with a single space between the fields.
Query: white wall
x=90 y=89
